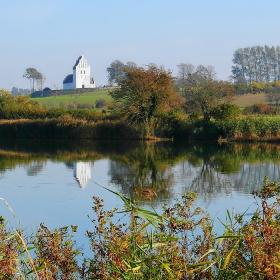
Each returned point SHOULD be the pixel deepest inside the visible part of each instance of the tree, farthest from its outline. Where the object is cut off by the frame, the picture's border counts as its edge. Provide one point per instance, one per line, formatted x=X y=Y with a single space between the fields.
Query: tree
x=131 y=64
x=40 y=81
x=256 y=64
x=204 y=73
x=144 y=94
x=33 y=75
x=203 y=93
x=184 y=70
x=115 y=72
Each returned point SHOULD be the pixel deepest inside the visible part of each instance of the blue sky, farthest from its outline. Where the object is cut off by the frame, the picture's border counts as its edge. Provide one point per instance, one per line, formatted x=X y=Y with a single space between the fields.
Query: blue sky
x=51 y=34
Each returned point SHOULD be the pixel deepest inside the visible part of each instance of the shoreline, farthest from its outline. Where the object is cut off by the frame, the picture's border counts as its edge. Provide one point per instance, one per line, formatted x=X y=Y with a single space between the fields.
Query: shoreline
x=250 y=130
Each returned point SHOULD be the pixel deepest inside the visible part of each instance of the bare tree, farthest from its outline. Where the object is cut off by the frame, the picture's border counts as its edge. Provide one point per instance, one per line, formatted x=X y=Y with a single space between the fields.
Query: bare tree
x=184 y=71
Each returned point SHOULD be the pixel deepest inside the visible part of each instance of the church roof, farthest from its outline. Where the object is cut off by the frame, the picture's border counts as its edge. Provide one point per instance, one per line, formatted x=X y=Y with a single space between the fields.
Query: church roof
x=68 y=79
x=77 y=62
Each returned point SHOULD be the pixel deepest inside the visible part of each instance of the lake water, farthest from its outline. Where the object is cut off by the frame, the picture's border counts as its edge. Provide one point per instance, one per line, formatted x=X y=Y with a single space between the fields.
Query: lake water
x=53 y=182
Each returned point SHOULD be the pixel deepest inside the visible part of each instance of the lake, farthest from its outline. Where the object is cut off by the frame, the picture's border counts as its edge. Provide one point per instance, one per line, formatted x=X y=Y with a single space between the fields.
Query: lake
x=54 y=182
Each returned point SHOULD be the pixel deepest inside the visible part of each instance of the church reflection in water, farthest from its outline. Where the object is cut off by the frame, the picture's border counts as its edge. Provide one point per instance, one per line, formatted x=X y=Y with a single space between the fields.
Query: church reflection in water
x=82 y=172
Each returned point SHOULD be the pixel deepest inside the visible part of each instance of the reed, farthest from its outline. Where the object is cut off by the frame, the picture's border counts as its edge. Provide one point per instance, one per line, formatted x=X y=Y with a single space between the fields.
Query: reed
x=67 y=127
x=177 y=243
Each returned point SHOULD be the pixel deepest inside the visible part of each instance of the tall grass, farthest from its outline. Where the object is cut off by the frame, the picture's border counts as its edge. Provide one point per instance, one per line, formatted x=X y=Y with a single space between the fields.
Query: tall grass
x=178 y=243
x=254 y=128
x=67 y=128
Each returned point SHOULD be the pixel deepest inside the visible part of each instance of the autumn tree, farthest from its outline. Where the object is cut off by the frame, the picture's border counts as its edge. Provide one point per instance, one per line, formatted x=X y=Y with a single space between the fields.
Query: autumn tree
x=144 y=94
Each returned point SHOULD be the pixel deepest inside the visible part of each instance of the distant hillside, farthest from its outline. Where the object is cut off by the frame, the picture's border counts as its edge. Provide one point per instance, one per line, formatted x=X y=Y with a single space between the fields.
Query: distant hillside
x=76 y=99
x=48 y=92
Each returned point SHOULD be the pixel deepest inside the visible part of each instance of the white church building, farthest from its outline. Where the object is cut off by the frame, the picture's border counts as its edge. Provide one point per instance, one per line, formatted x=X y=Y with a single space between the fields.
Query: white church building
x=81 y=77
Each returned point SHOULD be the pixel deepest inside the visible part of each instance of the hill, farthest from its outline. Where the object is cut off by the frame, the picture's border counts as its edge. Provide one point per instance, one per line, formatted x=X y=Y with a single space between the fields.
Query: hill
x=86 y=99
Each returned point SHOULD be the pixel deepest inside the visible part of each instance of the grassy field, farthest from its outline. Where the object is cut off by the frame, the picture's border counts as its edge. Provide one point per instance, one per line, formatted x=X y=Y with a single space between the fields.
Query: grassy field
x=247 y=100
x=88 y=98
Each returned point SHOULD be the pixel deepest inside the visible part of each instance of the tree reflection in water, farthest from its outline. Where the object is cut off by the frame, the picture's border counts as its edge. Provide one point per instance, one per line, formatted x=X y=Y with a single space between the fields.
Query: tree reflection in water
x=145 y=172
x=153 y=171
x=35 y=167
x=240 y=168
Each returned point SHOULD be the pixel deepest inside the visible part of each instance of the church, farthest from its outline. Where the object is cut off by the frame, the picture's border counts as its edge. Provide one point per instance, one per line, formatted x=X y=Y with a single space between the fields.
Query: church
x=81 y=77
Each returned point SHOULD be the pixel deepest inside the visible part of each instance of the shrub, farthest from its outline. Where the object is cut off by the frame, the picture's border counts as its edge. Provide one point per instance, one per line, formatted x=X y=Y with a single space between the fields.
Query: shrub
x=226 y=112
x=265 y=109
x=179 y=243
x=100 y=103
x=25 y=108
x=258 y=87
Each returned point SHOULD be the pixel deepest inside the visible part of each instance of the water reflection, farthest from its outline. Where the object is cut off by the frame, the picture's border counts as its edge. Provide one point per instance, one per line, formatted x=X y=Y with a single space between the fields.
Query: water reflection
x=35 y=168
x=153 y=171
x=82 y=173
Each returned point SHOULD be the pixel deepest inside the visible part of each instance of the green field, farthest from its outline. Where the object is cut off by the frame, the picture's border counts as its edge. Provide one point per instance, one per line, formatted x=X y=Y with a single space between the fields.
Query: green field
x=64 y=101
x=89 y=98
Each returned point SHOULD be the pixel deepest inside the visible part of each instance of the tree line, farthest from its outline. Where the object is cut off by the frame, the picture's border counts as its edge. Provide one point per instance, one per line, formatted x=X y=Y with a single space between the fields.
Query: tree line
x=146 y=94
x=256 y=64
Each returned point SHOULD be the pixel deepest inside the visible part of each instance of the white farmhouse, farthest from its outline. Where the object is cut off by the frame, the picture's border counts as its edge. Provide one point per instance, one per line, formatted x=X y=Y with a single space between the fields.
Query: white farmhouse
x=81 y=76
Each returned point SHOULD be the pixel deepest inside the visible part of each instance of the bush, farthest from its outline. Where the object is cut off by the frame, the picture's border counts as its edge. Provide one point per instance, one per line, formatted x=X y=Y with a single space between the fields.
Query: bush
x=20 y=107
x=180 y=243
x=100 y=103
x=226 y=112
x=265 y=109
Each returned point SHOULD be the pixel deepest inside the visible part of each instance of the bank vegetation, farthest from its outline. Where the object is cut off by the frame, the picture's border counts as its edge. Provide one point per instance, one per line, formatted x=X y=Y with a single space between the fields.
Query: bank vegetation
x=178 y=243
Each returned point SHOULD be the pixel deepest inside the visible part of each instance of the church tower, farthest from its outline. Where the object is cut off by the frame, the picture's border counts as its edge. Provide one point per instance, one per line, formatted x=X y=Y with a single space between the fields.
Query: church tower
x=81 y=74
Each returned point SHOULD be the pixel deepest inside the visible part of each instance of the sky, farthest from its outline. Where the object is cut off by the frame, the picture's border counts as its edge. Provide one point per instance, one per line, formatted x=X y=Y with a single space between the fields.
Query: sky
x=50 y=34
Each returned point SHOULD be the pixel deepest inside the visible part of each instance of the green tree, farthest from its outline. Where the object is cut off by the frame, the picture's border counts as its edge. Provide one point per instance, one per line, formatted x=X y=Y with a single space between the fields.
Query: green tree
x=144 y=94
x=116 y=71
x=203 y=93
x=256 y=64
